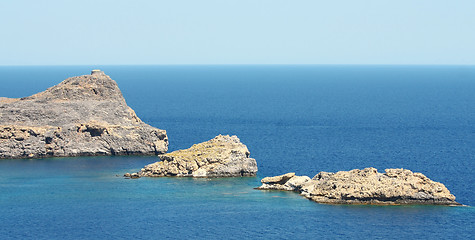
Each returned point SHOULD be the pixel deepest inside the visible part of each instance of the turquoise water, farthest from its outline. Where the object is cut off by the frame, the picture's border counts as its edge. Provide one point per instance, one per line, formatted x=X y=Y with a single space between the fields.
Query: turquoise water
x=292 y=118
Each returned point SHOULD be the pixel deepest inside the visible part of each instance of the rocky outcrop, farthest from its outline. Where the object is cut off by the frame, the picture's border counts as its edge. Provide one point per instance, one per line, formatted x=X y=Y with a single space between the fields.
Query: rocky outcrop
x=367 y=186
x=85 y=115
x=222 y=156
x=286 y=182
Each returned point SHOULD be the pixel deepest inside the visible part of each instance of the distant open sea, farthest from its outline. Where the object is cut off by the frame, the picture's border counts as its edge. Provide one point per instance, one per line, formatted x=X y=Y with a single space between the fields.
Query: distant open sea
x=302 y=119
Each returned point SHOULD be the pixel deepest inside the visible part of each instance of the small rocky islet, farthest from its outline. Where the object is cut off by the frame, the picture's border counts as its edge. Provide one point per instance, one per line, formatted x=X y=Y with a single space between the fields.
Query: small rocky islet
x=365 y=186
x=222 y=156
x=88 y=116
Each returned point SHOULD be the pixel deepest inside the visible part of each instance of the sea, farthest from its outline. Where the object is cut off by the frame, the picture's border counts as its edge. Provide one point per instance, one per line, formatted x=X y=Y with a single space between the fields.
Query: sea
x=293 y=118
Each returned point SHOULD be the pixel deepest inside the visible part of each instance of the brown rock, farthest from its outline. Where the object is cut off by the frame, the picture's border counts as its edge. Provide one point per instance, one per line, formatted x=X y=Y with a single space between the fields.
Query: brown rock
x=223 y=156
x=85 y=115
x=286 y=182
x=278 y=179
x=367 y=186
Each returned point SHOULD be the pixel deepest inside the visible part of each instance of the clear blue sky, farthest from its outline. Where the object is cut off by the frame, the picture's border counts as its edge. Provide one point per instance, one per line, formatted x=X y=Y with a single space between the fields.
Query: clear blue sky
x=58 y=32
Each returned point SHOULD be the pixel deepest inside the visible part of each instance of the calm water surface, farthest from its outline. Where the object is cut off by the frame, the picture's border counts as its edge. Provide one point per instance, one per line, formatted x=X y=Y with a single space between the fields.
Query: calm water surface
x=304 y=119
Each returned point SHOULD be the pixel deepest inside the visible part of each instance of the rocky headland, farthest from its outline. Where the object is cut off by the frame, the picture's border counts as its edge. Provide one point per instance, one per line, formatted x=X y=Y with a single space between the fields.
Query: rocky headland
x=81 y=116
x=366 y=186
x=222 y=156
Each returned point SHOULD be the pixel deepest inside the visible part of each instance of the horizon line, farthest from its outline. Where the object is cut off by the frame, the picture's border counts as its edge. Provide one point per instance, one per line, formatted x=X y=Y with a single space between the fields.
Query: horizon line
x=240 y=64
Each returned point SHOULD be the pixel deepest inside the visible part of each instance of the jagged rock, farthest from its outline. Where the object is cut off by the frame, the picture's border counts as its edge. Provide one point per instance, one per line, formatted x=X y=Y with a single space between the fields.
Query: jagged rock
x=85 y=115
x=223 y=156
x=278 y=179
x=367 y=186
x=285 y=182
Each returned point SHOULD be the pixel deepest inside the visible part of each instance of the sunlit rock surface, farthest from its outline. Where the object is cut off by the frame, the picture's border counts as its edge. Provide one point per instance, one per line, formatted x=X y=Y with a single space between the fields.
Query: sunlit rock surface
x=222 y=156
x=81 y=116
x=366 y=186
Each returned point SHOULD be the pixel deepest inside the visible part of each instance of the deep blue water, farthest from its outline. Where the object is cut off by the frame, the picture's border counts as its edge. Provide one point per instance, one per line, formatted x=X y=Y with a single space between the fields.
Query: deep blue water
x=304 y=119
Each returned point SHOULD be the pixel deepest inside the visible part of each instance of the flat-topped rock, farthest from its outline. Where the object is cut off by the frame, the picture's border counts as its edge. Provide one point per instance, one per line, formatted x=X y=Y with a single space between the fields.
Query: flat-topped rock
x=285 y=182
x=278 y=179
x=222 y=156
x=367 y=186
x=84 y=115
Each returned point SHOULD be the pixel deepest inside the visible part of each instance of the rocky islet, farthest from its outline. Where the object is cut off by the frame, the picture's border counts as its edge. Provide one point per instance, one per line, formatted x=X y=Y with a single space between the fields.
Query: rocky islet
x=366 y=186
x=222 y=156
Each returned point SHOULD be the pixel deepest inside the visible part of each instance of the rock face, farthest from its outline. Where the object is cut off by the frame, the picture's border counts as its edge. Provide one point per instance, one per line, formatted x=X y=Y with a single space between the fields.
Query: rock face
x=367 y=186
x=85 y=115
x=223 y=156
x=286 y=182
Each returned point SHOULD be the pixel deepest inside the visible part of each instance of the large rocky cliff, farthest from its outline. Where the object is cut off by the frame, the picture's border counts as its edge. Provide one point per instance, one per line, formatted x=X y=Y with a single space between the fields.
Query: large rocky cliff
x=81 y=116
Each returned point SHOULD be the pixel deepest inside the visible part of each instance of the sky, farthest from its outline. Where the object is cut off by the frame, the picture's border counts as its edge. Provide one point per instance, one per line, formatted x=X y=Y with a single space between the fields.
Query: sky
x=117 y=32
